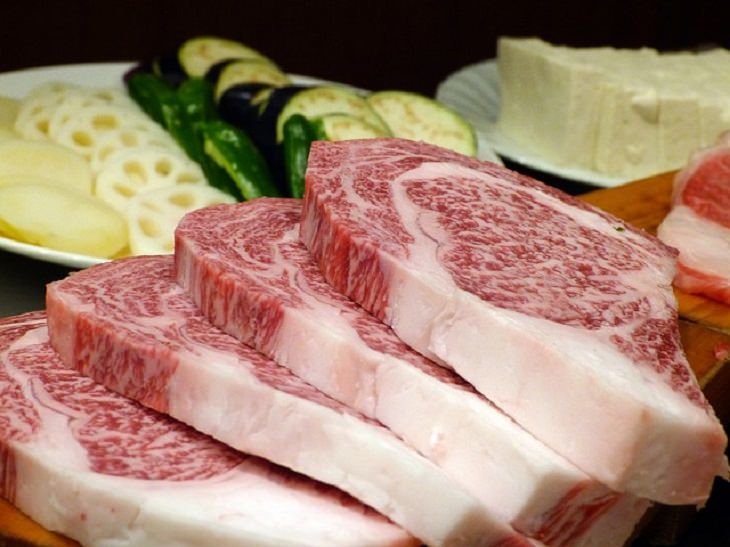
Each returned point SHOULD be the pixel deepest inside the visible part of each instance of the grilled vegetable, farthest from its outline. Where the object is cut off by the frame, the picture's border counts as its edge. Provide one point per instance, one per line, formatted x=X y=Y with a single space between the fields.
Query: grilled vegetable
x=413 y=116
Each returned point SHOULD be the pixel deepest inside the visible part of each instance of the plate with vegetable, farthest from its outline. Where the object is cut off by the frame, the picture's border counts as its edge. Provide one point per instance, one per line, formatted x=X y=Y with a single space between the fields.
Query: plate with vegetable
x=101 y=161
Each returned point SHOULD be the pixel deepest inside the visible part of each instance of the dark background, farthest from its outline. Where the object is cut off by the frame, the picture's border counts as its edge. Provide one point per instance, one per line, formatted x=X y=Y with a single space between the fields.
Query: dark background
x=372 y=44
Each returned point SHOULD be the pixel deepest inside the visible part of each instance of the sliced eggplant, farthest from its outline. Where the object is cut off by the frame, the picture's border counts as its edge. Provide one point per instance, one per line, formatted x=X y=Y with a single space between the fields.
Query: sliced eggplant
x=318 y=101
x=249 y=71
x=343 y=127
x=413 y=116
x=242 y=104
x=265 y=131
x=168 y=68
x=197 y=55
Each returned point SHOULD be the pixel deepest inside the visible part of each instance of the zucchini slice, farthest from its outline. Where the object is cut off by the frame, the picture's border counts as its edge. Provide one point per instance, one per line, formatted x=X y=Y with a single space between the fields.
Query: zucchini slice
x=318 y=101
x=343 y=127
x=413 y=116
x=249 y=71
x=197 y=55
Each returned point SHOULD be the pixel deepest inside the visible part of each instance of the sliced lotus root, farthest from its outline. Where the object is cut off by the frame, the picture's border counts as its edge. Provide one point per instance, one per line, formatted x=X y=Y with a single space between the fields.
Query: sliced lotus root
x=83 y=128
x=140 y=169
x=153 y=215
x=37 y=109
x=110 y=145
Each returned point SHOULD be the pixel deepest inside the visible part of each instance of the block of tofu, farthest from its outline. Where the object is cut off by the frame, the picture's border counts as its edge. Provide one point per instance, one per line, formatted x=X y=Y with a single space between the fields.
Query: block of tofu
x=619 y=112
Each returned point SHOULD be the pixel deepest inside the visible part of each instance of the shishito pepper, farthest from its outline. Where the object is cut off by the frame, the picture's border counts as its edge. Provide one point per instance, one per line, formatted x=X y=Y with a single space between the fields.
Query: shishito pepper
x=233 y=150
x=298 y=137
x=183 y=112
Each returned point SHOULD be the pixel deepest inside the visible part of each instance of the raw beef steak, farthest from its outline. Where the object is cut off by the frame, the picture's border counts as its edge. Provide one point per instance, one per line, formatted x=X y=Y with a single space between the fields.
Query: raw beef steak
x=262 y=287
x=84 y=461
x=560 y=314
x=698 y=224
x=128 y=325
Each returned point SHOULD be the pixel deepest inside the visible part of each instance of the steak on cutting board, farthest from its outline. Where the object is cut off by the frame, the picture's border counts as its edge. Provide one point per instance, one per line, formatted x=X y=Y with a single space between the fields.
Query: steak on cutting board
x=698 y=224
x=129 y=326
x=560 y=314
x=249 y=273
x=84 y=461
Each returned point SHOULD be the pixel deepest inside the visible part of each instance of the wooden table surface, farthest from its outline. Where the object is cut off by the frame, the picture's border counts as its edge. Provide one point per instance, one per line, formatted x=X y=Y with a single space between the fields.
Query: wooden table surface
x=704 y=328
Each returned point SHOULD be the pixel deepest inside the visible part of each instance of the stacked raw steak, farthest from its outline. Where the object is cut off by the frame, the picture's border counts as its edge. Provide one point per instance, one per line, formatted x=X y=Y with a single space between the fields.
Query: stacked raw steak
x=89 y=463
x=263 y=287
x=519 y=295
x=561 y=315
x=699 y=223
x=128 y=325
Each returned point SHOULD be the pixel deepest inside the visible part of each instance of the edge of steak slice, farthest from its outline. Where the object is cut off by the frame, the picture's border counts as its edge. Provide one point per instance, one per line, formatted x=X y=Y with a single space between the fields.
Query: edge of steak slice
x=277 y=301
x=128 y=325
x=560 y=314
x=88 y=463
x=698 y=224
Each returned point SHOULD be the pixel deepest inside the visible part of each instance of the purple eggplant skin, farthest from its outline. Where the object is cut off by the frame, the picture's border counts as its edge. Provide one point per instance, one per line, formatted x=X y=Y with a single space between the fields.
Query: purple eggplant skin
x=214 y=72
x=143 y=67
x=168 y=67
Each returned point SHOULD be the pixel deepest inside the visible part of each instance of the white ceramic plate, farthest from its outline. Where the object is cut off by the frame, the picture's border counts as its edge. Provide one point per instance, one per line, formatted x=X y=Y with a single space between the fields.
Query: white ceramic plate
x=17 y=84
x=473 y=92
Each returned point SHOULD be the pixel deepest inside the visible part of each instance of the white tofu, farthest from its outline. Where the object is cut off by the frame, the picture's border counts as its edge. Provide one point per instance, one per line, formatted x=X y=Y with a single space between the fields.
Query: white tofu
x=619 y=112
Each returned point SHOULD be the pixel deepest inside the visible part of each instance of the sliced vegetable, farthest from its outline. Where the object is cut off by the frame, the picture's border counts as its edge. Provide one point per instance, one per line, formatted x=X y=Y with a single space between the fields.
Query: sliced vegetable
x=61 y=218
x=167 y=67
x=86 y=127
x=55 y=164
x=197 y=55
x=7 y=133
x=196 y=96
x=137 y=170
x=36 y=110
x=233 y=150
x=249 y=71
x=242 y=104
x=342 y=127
x=317 y=101
x=413 y=116
x=110 y=145
x=163 y=104
x=9 y=108
x=298 y=137
x=149 y=92
x=153 y=215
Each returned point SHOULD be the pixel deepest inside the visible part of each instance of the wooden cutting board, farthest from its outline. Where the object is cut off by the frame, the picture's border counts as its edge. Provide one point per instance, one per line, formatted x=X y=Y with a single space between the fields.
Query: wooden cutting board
x=705 y=332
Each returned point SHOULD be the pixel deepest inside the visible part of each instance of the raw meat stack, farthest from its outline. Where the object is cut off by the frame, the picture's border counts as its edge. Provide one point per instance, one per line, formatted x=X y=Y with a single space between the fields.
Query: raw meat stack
x=530 y=387
x=698 y=224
